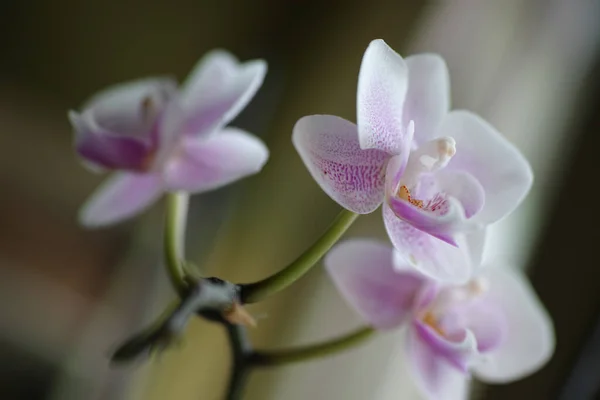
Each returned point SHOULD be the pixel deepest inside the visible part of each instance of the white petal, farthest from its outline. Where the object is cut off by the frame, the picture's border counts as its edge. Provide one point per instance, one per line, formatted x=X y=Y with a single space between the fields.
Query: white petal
x=428 y=97
x=500 y=168
x=203 y=164
x=382 y=86
x=218 y=88
x=529 y=341
x=121 y=197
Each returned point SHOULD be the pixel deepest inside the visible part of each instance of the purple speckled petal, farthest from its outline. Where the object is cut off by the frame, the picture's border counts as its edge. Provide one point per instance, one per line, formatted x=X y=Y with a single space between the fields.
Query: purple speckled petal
x=218 y=88
x=429 y=255
x=203 y=164
x=362 y=271
x=529 y=340
x=121 y=197
x=500 y=168
x=428 y=97
x=382 y=86
x=352 y=177
x=439 y=366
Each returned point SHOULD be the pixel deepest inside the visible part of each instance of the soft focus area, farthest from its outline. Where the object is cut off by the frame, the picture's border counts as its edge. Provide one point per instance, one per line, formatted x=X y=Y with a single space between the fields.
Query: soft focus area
x=69 y=296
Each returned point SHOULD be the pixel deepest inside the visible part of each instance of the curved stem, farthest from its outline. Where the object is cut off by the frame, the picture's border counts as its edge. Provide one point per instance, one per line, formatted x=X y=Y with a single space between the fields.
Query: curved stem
x=174 y=239
x=240 y=368
x=303 y=353
x=253 y=292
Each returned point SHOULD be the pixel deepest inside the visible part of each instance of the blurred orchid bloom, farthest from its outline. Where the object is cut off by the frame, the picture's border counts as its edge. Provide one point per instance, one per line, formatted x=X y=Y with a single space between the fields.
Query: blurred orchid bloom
x=493 y=326
x=443 y=175
x=163 y=139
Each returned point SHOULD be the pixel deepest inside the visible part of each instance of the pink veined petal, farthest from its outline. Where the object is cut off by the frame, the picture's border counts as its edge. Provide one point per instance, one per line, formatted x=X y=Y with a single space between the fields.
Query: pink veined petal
x=362 y=271
x=439 y=366
x=430 y=256
x=121 y=197
x=218 y=88
x=500 y=168
x=203 y=164
x=529 y=340
x=382 y=87
x=428 y=96
x=352 y=177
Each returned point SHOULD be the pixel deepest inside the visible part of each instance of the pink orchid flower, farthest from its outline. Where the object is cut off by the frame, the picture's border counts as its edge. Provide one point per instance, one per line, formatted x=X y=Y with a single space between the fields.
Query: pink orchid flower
x=493 y=326
x=441 y=175
x=160 y=138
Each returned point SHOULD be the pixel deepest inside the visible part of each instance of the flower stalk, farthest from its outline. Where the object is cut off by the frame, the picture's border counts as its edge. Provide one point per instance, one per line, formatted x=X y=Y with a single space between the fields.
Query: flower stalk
x=174 y=240
x=253 y=292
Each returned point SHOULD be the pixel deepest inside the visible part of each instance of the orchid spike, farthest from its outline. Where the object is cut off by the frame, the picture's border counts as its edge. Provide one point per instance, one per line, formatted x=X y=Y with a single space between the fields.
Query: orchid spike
x=493 y=326
x=163 y=139
x=441 y=175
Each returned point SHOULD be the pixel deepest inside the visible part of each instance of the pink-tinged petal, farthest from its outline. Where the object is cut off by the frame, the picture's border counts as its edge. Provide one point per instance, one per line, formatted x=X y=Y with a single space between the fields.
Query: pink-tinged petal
x=429 y=255
x=442 y=226
x=362 y=271
x=463 y=187
x=352 y=177
x=203 y=164
x=121 y=197
x=382 y=86
x=428 y=96
x=118 y=128
x=480 y=316
x=439 y=366
x=101 y=149
x=129 y=109
x=500 y=168
x=218 y=88
x=475 y=242
x=529 y=340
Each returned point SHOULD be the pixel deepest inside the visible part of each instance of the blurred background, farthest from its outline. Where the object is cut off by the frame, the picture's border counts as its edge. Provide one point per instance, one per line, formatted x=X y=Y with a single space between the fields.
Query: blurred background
x=68 y=296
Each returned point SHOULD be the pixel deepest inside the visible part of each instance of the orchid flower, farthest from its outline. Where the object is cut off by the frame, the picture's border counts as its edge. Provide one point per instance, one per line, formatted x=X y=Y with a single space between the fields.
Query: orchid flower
x=161 y=139
x=493 y=326
x=442 y=176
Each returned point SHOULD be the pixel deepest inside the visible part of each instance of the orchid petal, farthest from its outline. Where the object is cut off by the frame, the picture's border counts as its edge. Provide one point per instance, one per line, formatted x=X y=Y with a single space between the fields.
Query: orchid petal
x=429 y=255
x=118 y=128
x=218 y=88
x=382 y=87
x=122 y=196
x=203 y=164
x=129 y=109
x=529 y=340
x=101 y=149
x=480 y=316
x=363 y=272
x=439 y=366
x=428 y=96
x=500 y=168
x=352 y=177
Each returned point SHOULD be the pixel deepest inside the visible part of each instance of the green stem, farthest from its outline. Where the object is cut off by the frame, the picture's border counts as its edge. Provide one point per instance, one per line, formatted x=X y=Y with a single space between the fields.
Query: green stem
x=174 y=239
x=304 y=353
x=253 y=292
